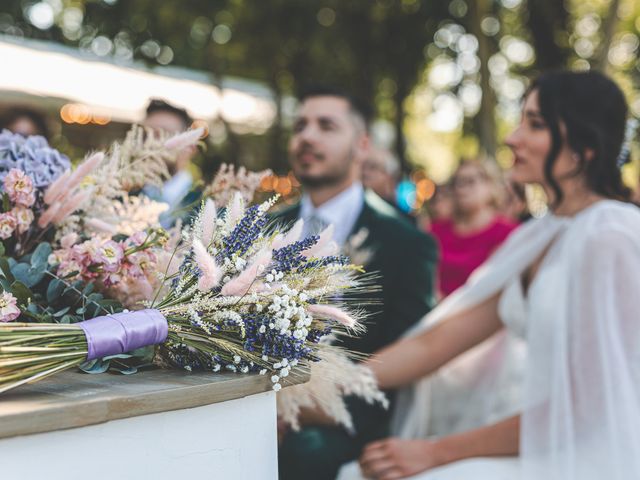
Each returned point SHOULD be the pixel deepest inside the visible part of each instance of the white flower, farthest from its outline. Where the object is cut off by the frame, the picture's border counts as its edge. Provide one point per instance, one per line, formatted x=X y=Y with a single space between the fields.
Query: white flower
x=265 y=358
x=277 y=387
x=303 y=297
x=216 y=367
x=263 y=371
x=277 y=365
x=240 y=264
x=262 y=329
x=244 y=369
x=284 y=372
x=275 y=378
x=187 y=368
x=236 y=359
x=285 y=362
x=270 y=278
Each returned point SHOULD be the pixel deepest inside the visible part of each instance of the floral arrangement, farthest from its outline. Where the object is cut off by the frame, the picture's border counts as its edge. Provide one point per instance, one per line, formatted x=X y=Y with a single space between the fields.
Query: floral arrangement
x=243 y=300
x=227 y=182
x=229 y=292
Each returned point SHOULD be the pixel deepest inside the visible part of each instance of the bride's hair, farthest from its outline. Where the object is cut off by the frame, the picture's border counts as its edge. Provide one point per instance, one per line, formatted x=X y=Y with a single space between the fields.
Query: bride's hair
x=594 y=111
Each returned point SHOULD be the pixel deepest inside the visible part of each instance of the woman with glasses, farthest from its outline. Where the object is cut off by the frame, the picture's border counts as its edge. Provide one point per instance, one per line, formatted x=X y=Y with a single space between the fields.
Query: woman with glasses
x=476 y=228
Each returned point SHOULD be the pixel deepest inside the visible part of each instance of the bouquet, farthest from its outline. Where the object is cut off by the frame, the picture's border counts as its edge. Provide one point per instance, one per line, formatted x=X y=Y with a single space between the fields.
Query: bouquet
x=244 y=299
x=229 y=292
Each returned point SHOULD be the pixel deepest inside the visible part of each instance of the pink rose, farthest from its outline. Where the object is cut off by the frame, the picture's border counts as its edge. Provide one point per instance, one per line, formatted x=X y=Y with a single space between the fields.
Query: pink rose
x=9 y=310
x=24 y=218
x=19 y=187
x=8 y=224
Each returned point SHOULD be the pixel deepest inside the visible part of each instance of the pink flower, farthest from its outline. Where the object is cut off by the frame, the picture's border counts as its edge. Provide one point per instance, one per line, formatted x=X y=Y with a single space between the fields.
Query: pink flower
x=24 y=218
x=69 y=240
x=110 y=255
x=184 y=139
x=137 y=239
x=241 y=284
x=8 y=224
x=211 y=272
x=138 y=263
x=9 y=310
x=333 y=313
x=19 y=187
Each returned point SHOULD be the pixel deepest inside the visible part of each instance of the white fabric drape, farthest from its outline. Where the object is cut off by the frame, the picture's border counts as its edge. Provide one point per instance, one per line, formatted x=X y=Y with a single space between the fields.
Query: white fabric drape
x=582 y=383
x=473 y=377
x=581 y=418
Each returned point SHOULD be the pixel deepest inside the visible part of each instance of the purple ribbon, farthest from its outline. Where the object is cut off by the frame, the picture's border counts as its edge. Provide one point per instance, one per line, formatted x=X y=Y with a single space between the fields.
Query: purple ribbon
x=123 y=332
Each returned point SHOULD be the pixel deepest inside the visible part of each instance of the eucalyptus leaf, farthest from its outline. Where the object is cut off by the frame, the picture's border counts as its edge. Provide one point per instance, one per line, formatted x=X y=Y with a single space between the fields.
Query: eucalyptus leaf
x=2 y=249
x=54 y=290
x=27 y=274
x=61 y=312
x=98 y=365
x=40 y=256
x=124 y=370
x=5 y=266
x=67 y=319
x=21 y=292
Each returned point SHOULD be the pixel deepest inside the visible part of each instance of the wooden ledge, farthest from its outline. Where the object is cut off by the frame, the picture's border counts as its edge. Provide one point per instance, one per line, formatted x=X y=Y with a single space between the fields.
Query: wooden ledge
x=76 y=399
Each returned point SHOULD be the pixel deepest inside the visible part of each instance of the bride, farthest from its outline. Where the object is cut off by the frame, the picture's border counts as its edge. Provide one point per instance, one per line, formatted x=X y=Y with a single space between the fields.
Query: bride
x=532 y=369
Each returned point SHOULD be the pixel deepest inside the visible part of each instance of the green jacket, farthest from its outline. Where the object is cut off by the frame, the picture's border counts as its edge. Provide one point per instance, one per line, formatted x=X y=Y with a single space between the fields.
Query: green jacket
x=405 y=260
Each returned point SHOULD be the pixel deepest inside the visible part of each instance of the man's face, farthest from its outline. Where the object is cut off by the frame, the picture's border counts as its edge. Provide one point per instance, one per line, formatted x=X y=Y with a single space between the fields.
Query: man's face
x=328 y=143
x=164 y=122
x=170 y=123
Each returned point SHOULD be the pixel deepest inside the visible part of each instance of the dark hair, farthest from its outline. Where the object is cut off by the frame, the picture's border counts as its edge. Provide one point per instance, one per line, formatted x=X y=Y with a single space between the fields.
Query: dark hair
x=157 y=105
x=594 y=111
x=34 y=116
x=358 y=106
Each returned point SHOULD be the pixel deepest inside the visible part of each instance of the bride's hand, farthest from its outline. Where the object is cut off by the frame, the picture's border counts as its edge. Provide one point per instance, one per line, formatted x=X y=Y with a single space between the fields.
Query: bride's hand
x=394 y=458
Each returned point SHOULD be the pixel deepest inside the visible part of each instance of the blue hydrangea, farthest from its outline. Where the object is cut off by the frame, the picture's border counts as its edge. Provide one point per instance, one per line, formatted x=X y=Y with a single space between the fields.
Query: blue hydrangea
x=33 y=156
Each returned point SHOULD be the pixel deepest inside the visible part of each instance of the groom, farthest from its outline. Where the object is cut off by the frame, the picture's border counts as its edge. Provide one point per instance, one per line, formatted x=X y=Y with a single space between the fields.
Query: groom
x=327 y=150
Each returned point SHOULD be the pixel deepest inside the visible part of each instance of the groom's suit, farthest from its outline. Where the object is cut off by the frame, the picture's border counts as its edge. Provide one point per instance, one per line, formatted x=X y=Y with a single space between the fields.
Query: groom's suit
x=406 y=261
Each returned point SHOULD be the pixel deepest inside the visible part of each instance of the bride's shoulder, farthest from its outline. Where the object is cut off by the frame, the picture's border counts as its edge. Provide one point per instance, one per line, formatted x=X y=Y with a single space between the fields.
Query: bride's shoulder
x=609 y=220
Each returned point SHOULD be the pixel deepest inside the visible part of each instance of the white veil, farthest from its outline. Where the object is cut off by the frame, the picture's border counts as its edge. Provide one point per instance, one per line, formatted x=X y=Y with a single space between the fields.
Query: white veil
x=472 y=375
x=582 y=419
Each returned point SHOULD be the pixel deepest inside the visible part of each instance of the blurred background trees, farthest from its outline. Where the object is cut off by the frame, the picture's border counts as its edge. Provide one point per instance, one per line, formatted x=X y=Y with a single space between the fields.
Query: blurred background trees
x=445 y=76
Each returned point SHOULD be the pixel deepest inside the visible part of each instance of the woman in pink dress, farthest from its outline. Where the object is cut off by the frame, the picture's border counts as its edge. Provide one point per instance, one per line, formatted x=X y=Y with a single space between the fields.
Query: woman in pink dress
x=476 y=228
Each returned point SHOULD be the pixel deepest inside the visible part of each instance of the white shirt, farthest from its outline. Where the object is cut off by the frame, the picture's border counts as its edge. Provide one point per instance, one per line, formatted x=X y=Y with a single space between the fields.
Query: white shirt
x=342 y=211
x=176 y=188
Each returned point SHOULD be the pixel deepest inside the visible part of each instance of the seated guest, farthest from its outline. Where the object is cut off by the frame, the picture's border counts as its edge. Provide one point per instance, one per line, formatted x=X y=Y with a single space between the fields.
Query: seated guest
x=169 y=119
x=25 y=121
x=327 y=150
x=476 y=228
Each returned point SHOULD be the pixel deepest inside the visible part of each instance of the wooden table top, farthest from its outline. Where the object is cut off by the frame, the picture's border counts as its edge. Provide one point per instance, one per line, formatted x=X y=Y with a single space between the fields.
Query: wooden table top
x=75 y=399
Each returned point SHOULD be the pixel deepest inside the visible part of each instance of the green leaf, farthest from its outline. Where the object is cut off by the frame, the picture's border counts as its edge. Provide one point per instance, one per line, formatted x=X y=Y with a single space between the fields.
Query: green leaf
x=6 y=204
x=54 y=290
x=40 y=256
x=2 y=249
x=98 y=365
x=88 y=288
x=21 y=292
x=68 y=319
x=61 y=312
x=124 y=370
x=6 y=269
x=27 y=274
